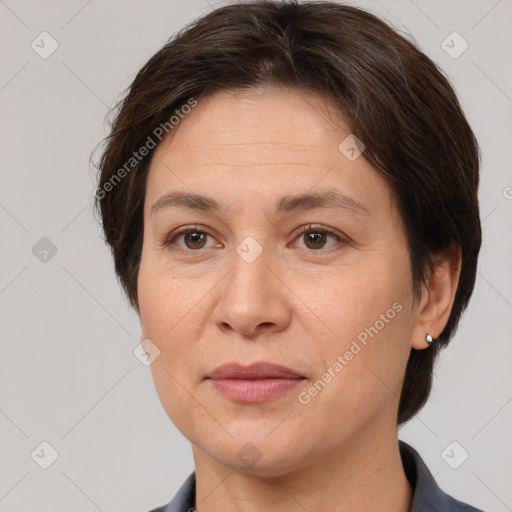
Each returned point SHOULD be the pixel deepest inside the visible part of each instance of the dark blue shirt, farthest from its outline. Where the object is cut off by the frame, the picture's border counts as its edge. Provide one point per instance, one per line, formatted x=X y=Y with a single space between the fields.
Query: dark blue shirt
x=427 y=496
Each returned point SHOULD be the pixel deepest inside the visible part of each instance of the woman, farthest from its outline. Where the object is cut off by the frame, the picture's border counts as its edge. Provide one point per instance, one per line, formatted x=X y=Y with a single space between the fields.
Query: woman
x=290 y=195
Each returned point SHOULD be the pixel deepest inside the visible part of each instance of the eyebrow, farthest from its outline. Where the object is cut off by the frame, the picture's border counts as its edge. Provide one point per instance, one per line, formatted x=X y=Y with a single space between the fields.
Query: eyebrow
x=329 y=199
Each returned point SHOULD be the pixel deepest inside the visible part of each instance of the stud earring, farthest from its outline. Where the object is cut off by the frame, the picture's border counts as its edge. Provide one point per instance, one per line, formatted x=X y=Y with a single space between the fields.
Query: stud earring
x=429 y=339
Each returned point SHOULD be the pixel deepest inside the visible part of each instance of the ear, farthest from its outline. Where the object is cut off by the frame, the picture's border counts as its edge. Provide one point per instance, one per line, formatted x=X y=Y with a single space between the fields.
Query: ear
x=437 y=297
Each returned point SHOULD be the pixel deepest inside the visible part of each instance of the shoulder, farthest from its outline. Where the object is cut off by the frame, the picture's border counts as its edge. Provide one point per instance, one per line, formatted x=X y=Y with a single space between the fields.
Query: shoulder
x=427 y=495
x=183 y=500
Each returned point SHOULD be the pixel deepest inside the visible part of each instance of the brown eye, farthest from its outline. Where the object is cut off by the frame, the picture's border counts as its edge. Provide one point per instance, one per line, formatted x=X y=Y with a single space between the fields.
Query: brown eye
x=315 y=239
x=188 y=238
x=194 y=239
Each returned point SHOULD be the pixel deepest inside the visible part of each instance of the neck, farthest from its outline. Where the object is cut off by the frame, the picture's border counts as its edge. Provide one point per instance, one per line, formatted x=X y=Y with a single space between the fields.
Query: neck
x=364 y=474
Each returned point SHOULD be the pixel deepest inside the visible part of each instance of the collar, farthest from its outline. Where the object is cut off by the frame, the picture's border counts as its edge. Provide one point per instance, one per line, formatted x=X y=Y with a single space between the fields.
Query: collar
x=427 y=495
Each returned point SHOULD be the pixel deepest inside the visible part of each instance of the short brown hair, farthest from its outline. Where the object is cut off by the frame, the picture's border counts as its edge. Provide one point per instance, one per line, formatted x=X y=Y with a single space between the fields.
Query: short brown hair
x=392 y=96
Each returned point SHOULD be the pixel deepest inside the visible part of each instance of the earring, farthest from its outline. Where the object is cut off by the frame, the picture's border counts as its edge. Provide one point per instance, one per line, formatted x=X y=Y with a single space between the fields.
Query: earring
x=429 y=339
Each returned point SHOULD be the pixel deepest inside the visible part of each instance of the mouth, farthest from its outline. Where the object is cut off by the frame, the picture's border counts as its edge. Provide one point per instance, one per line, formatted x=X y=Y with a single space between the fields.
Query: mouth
x=257 y=382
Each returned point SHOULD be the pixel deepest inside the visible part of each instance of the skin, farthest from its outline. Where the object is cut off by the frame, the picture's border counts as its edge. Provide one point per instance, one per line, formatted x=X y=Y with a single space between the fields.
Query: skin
x=298 y=304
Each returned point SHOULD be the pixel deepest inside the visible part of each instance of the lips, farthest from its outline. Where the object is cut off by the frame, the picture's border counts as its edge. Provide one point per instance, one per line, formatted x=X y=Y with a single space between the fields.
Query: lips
x=261 y=370
x=258 y=382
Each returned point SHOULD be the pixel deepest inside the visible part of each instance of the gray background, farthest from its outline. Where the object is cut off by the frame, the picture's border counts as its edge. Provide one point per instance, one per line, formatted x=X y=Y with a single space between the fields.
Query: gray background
x=68 y=375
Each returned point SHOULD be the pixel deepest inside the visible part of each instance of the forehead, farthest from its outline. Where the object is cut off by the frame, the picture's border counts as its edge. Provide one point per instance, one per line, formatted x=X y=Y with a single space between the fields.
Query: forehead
x=262 y=140
x=276 y=125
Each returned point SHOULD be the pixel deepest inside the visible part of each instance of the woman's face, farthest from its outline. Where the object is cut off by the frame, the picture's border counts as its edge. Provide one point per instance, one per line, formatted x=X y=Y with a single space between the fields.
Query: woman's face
x=319 y=286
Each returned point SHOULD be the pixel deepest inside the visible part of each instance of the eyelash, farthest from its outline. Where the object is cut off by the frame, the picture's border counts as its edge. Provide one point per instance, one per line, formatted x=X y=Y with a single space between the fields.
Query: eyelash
x=171 y=239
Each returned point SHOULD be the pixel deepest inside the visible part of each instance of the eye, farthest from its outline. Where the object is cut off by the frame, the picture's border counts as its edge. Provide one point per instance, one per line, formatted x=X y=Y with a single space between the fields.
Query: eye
x=315 y=238
x=193 y=238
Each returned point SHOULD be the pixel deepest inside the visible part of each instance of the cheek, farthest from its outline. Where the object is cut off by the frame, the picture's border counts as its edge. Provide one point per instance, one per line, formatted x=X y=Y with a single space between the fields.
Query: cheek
x=173 y=312
x=169 y=319
x=352 y=299
x=166 y=303
x=367 y=315
x=361 y=372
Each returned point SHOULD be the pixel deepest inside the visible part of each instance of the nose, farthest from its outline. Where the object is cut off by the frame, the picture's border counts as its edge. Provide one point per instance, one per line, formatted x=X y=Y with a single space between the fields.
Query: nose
x=253 y=299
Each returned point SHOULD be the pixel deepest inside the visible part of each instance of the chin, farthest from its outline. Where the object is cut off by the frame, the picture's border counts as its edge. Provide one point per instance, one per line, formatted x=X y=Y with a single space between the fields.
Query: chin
x=255 y=452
